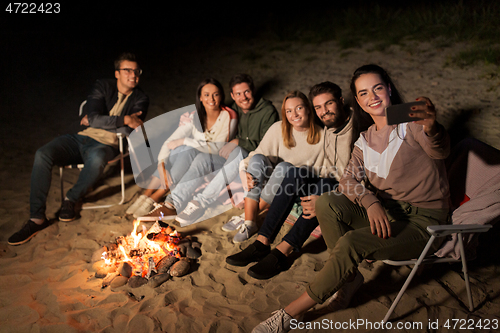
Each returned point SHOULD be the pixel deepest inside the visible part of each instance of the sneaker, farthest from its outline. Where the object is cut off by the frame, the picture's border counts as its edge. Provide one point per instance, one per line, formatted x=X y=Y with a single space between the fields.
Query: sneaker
x=279 y=322
x=233 y=223
x=27 y=232
x=271 y=265
x=245 y=231
x=67 y=212
x=159 y=213
x=341 y=299
x=135 y=206
x=190 y=214
x=254 y=252
x=147 y=206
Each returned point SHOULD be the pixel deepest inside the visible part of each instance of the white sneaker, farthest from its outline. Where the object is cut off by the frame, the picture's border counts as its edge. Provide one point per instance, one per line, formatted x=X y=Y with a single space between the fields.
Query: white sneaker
x=279 y=322
x=233 y=223
x=341 y=299
x=245 y=231
x=147 y=206
x=133 y=207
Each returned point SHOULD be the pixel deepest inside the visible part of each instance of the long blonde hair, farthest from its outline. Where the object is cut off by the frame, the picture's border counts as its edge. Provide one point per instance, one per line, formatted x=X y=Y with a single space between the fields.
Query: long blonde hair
x=313 y=134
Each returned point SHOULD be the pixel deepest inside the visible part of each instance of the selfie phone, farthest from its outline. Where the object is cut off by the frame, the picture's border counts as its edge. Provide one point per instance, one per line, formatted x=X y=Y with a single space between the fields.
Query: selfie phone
x=400 y=113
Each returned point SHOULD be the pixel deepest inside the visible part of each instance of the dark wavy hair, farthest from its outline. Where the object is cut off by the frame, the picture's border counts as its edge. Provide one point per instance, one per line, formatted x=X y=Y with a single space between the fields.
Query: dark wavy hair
x=200 y=109
x=361 y=119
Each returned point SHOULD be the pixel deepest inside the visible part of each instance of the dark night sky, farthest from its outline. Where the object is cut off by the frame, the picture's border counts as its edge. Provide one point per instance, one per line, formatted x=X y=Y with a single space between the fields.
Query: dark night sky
x=79 y=44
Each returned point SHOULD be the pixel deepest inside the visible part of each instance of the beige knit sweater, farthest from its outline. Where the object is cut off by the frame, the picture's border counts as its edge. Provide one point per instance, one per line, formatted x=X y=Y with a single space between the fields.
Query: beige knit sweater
x=303 y=154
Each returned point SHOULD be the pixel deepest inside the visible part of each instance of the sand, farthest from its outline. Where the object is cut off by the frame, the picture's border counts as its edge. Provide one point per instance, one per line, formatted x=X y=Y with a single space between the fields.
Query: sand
x=48 y=284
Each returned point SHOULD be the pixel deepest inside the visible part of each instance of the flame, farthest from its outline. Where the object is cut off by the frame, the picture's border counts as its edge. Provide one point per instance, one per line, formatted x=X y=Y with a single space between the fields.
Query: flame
x=136 y=249
x=170 y=247
x=136 y=237
x=155 y=246
x=124 y=253
x=104 y=257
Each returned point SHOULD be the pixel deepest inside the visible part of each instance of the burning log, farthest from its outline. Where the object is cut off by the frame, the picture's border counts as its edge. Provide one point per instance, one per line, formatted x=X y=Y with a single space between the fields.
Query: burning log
x=158 y=279
x=150 y=256
x=164 y=264
x=137 y=281
x=181 y=267
x=125 y=269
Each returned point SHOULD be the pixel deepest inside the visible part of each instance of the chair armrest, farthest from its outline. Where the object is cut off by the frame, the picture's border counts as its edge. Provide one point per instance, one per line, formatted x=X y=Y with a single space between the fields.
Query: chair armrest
x=448 y=229
x=80 y=110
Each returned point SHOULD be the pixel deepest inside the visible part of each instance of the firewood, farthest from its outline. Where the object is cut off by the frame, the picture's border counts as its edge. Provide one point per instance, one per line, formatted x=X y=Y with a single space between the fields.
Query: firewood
x=181 y=267
x=164 y=264
x=158 y=279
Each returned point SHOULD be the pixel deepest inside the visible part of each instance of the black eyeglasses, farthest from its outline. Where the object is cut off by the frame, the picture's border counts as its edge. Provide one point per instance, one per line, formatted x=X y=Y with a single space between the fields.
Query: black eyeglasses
x=129 y=71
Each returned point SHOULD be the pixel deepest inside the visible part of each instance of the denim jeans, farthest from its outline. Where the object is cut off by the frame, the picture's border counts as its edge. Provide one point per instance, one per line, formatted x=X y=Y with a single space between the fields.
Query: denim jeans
x=178 y=163
x=268 y=181
x=347 y=234
x=64 y=150
x=298 y=182
x=204 y=164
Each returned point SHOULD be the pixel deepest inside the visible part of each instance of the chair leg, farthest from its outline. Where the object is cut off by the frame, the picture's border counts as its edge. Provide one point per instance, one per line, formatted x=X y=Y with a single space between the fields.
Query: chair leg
x=122 y=176
x=410 y=277
x=465 y=271
x=62 y=183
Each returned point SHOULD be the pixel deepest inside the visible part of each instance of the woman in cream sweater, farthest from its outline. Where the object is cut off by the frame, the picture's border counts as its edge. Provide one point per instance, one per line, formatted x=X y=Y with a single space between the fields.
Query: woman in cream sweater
x=217 y=125
x=297 y=139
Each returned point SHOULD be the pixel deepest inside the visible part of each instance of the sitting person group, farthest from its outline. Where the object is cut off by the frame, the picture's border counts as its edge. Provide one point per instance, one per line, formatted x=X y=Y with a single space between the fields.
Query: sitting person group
x=348 y=169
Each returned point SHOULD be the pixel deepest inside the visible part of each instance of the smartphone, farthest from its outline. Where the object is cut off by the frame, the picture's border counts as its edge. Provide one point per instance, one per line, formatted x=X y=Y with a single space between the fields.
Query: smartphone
x=400 y=113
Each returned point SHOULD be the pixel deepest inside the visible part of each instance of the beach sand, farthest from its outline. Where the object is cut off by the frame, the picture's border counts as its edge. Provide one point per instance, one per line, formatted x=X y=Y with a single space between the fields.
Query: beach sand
x=48 y=284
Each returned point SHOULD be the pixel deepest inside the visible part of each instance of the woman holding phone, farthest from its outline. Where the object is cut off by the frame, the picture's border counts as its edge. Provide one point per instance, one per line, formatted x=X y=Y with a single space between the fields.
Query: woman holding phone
x=404 y=165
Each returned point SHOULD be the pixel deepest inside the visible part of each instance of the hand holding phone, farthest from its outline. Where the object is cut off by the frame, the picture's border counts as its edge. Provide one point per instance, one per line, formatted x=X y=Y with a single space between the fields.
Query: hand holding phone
x=400 y=113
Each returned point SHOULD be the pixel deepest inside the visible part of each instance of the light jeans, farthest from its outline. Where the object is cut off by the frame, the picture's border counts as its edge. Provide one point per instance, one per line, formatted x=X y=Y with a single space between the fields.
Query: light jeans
x=204 y=164
x=268 y=181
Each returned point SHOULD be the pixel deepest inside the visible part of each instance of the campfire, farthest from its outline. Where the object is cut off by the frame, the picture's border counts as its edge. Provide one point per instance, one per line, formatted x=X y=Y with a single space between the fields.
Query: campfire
x=147 y=256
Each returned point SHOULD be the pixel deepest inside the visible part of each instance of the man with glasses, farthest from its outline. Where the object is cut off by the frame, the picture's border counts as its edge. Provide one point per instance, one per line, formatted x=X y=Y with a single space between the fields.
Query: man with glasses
x=113 y=106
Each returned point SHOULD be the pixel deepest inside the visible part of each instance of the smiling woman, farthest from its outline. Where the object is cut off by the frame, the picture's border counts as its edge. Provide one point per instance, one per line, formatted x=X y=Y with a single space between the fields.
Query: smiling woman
x=216 y=126
x=296 y=114
x=404 y=165
x=297 y=139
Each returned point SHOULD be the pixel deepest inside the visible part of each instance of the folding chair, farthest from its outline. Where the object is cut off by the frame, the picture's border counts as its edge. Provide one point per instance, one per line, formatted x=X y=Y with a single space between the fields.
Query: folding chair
x=119 y=157
x=474 y=177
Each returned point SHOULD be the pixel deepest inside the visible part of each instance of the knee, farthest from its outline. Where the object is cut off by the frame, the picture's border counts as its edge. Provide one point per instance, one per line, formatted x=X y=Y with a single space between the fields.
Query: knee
x=201 y=161
x=239 y=153
x=322 y=204
x=96 y=163
x=257 y=159
x=349 y=245
x=97 y=159
x=259 y=166
x=43 y=156
x=283 y=168
x=326 y=204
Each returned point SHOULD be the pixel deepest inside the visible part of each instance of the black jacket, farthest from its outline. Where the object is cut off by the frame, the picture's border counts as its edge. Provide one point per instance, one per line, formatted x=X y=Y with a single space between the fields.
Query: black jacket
x=101 y=100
